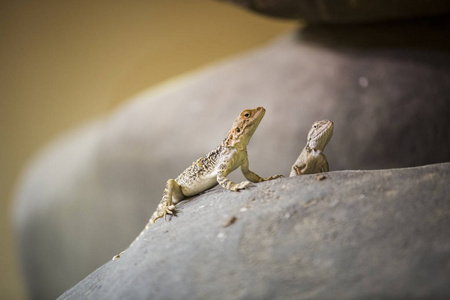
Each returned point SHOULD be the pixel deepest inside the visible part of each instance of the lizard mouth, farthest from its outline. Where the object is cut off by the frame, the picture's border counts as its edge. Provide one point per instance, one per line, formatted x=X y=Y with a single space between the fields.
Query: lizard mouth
x=260 y=112
x=259 y=115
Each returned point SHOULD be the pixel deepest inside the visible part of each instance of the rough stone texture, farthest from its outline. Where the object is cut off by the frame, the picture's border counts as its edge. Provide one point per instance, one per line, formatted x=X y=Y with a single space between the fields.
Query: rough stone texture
x=346 y=11
x=355 y=235
x=386 y=87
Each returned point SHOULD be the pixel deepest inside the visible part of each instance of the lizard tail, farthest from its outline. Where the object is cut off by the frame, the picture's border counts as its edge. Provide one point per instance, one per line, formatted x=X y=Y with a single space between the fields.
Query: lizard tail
x=158 y=213
x=164 y=207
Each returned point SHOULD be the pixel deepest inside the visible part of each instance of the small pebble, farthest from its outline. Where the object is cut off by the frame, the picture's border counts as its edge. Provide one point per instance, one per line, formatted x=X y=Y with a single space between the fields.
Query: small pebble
x=320 y=177
x=230 y=221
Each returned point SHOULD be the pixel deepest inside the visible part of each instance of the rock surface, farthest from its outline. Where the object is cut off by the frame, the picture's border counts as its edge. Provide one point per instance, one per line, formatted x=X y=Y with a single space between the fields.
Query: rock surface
x=354 y=235
x=346 y=11
x=386 y=87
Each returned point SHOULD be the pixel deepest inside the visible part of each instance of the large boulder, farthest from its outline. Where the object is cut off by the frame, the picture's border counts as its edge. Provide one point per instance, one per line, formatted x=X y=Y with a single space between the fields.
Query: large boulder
x=353 y=235
x=387 y=89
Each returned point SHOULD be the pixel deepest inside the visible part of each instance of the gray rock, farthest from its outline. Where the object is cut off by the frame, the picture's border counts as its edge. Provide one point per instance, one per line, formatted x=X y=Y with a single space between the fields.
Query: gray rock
x=57 y=214
x=386 y=87
x=355 y=235
x=346 y=11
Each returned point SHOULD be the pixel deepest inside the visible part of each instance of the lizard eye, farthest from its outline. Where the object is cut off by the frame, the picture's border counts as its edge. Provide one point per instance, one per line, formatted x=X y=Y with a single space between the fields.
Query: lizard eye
x=238 y=130
x=246 y=115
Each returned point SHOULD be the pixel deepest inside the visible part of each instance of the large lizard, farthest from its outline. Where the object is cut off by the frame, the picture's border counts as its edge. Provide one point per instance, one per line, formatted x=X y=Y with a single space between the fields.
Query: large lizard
x=312 y=160
x=212 y=169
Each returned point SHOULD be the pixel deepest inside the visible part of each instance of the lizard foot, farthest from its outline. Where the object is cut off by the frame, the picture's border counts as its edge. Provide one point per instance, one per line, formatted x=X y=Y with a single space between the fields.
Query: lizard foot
x=171 y=213
x=271 y=178
x=168 y=210
x=241 y=186
x=297 y=171
x=162 y=211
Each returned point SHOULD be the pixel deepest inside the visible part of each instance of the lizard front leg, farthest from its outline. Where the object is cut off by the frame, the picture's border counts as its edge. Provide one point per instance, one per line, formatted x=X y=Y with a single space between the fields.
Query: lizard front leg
x=252 y=176
x=230 y=185
x=166 y=206
x=227 y=183
x=297 y=170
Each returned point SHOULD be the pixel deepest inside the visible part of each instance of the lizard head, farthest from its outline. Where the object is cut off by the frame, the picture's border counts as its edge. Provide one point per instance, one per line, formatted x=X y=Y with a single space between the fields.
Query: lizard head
x=320 y=134
x=243 y=127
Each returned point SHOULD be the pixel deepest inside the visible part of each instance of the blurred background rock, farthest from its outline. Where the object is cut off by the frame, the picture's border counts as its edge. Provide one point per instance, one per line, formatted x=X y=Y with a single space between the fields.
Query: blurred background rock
x=64 y=63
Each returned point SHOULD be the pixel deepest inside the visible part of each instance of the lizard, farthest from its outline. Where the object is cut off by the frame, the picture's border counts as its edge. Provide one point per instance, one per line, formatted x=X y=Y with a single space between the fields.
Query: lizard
x=312 y=160
x=213 y=168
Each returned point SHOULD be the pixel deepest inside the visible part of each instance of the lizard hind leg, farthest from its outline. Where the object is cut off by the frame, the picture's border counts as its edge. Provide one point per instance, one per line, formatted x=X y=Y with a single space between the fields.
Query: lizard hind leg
x=166 y=206
x=172 y=194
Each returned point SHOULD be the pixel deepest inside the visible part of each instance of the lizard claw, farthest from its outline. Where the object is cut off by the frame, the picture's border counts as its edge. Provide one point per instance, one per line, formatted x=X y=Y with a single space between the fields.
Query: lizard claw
x=242 y=186
x=168 y=210
x=168 y=218
x=271 y=177
x=162 y=211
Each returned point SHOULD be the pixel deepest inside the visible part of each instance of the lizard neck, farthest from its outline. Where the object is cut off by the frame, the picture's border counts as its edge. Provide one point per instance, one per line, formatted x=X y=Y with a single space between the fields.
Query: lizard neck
x=228 y=143
x=309 y=149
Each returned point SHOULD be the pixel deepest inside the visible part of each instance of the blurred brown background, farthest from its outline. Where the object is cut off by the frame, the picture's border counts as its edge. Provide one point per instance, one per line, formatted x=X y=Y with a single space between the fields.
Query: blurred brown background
x=64 y=63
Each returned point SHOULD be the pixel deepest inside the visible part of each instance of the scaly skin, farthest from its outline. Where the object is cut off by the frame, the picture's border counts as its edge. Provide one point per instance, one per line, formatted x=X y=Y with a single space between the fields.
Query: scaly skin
x=212 y=169
x=311 y=159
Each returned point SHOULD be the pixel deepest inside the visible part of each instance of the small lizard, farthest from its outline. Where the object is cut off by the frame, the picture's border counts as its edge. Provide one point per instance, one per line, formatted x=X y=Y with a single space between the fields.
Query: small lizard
x=311 y=159
x=212 y=169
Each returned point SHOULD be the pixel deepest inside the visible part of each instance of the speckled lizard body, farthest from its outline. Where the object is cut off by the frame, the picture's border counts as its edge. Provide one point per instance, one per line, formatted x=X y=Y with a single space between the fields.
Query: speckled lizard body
x=212 y=169
x=312 y=160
